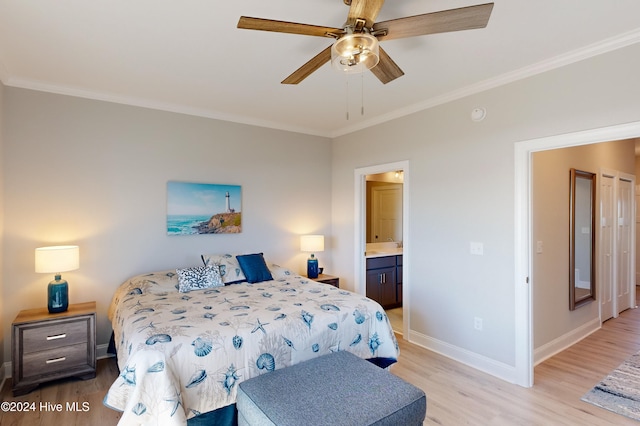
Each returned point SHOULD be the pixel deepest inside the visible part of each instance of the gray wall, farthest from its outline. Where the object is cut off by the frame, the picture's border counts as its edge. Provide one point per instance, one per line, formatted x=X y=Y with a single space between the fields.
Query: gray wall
x=462 y=190
x=94 y=174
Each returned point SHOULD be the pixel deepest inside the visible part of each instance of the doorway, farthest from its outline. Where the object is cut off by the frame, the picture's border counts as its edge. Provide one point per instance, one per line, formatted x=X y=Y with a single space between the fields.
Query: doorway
x=524 y=361
x=383 y=253
x=393 y=225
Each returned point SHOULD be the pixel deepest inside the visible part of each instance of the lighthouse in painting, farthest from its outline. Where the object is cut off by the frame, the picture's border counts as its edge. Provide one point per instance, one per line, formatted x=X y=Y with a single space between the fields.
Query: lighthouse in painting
x=228 y=203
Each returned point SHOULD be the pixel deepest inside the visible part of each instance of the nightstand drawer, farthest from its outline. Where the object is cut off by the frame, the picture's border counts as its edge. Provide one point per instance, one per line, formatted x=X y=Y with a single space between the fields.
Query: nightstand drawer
x=45 y=337
x=53 y=361
x=47 y=346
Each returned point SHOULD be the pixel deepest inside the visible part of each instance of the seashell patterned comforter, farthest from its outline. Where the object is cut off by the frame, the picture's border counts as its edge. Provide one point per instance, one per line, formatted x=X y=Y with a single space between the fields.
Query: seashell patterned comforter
x=183 y=354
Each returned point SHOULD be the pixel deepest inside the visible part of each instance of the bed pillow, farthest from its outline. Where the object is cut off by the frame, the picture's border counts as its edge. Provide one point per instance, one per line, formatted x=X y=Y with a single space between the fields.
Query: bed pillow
x=281 y=273
x=228 y=265
x=198 y=278
x=254 y=267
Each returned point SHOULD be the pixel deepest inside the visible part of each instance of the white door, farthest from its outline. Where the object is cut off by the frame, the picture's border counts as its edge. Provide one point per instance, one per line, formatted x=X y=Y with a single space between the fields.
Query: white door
x=386 y=214
x=624 y=250
x=607 y=219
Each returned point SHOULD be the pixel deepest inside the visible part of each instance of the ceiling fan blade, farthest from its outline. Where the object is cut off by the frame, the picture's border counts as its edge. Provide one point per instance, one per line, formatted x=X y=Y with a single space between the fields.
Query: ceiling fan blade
x=261 y=24
x=464 y=18
x=364 y=9
x=305 y=71
x=386 y=70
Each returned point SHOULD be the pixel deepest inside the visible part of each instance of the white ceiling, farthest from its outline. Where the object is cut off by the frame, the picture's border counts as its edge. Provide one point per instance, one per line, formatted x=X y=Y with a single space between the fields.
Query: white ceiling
x=188 y=56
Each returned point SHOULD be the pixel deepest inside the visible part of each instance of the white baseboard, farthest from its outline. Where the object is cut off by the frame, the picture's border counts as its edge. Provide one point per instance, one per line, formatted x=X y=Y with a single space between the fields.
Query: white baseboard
x=561 y=343
x=480 y=362
x=101 y=352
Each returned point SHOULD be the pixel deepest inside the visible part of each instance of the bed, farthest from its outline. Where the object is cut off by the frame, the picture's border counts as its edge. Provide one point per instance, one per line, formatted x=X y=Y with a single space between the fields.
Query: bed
x=182 y=352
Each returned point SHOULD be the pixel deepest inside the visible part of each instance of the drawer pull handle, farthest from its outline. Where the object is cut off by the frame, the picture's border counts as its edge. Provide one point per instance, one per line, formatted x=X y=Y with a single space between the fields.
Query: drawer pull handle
x=57 y=336
x=51 y=361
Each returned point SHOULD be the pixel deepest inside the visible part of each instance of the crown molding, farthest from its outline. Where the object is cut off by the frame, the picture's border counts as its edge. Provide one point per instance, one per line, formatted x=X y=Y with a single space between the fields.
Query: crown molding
x=152 y=104
x=590 y=51
x=595 y=49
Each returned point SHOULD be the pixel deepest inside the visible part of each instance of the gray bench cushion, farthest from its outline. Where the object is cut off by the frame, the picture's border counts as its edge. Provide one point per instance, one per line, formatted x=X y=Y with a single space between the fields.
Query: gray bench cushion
x=334 y=389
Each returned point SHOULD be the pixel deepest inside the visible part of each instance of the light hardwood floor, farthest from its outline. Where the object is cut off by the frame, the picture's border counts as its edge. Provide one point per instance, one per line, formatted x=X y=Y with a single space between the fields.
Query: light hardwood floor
x=395 y=318
x=456 y=394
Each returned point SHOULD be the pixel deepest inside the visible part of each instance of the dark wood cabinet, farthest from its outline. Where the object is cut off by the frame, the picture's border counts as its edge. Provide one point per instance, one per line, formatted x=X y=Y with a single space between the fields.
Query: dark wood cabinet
x=48 y=346
x=384 y=280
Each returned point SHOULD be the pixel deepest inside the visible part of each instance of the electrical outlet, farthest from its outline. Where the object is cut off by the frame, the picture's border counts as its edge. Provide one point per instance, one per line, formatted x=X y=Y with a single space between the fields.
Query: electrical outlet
x=477 y=323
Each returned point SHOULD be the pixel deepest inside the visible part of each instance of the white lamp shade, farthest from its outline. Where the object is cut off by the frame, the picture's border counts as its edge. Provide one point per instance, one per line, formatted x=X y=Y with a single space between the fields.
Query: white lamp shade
x=312 y=243
x=57 y=259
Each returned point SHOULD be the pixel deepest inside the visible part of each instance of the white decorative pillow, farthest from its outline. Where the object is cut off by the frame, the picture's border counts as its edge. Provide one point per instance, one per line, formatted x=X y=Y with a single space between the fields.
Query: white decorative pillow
x=281 y=273
x=228 y=265
x=198 y=278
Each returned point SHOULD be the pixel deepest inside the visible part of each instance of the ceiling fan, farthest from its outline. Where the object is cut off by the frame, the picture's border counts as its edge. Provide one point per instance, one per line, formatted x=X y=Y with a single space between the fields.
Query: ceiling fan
x=356 y=44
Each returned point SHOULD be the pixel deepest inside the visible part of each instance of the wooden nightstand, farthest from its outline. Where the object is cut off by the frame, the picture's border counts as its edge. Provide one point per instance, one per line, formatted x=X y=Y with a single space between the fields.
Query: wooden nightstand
x=48 y=346
x=328 y=279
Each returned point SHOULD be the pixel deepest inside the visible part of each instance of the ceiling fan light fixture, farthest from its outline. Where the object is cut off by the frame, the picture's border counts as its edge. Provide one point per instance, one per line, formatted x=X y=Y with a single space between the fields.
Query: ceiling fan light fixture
x=355 y=53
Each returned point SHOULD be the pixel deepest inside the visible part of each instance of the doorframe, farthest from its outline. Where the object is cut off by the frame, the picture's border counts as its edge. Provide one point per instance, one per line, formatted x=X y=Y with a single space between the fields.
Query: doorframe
x=360 y=233
x=524 y=280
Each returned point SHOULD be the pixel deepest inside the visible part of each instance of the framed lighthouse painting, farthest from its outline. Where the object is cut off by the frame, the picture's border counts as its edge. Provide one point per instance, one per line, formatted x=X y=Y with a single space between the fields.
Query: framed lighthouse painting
x=203 y=208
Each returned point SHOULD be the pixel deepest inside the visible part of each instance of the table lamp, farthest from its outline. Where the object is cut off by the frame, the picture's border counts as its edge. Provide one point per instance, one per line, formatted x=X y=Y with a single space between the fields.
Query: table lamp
x=57 y=259
x=314 y=244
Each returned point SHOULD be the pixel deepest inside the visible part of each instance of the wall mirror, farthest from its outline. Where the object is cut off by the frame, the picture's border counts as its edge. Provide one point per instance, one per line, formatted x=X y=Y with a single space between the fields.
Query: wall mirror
x=582 y=280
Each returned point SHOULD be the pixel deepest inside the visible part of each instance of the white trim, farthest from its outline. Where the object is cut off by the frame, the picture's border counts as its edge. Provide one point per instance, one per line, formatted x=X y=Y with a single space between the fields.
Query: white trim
x=522 y=166
x=157 y=105
x=561 y=343
x=595 y=49
x=601 y=47
x=101 y=351
x=472 y=359
x=360 y=232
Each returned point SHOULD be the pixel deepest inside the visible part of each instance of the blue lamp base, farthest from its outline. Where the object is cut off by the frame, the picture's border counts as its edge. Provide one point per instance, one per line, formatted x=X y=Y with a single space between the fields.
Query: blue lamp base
x=312 y=267
x=58 y=299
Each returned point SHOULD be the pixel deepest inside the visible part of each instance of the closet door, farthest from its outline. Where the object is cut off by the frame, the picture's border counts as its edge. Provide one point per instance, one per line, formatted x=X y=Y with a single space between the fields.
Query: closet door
x=607 y=270
x=624 y=249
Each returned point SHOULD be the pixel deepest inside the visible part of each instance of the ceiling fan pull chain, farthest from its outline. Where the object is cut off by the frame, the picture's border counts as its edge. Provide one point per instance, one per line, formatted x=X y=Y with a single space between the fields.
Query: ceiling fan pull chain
x=346 y=80
x=362 y=94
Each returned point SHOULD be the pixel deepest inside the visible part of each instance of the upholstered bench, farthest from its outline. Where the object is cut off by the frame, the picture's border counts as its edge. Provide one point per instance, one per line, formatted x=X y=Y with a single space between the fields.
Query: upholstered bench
x=335 y=389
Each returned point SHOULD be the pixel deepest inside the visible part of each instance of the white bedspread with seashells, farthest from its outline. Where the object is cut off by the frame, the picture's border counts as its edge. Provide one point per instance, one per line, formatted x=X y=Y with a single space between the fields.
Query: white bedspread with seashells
x=183 y=354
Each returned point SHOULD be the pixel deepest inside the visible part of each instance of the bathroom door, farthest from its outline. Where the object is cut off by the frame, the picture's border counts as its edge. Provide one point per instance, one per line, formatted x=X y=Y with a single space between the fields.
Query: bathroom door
x=386 y=213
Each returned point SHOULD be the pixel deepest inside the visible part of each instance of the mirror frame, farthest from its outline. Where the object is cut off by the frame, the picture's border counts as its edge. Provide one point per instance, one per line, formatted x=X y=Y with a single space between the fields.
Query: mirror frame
x=576 y=301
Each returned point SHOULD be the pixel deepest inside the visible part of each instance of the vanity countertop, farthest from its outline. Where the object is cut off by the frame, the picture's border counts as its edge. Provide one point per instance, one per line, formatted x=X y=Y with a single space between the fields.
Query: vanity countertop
x=383 y=252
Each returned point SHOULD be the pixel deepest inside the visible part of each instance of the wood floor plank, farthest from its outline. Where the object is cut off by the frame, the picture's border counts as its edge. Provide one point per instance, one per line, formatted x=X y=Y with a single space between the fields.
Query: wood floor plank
x=456 y=394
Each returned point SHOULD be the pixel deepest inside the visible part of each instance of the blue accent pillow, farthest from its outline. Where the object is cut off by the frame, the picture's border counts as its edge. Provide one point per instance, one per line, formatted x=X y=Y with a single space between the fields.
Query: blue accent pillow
x=254 y=267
